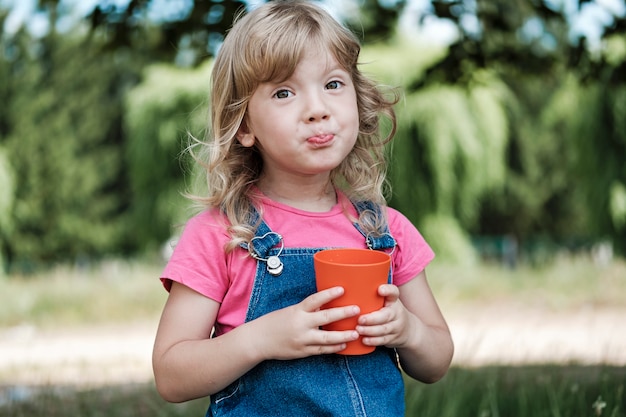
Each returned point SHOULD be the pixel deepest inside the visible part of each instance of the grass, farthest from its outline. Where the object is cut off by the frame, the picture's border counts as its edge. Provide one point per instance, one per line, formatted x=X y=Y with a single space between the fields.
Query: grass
x=536 y=391
x=120 y=401
x=567 y=283
x=112 y=292
x=486 y=392
x=115 y=291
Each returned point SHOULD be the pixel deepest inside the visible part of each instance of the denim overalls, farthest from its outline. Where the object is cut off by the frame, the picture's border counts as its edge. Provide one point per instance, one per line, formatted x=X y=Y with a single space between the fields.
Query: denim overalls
x=323 y=385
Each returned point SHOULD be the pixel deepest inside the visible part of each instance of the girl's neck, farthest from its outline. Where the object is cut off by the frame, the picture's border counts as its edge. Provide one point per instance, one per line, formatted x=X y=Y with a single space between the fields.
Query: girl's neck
x=313 y=197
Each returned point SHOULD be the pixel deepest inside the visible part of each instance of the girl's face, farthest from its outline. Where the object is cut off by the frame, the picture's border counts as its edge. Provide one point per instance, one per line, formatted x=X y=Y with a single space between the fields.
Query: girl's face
x=306 y=125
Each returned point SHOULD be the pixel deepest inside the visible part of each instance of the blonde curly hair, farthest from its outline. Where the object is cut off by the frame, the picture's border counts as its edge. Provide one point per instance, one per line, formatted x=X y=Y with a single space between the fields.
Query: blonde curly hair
x=266 y=45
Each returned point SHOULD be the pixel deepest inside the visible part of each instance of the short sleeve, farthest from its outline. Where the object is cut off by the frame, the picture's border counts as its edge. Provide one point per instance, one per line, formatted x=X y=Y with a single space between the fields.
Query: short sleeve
x=412 y=253
x=198 y=260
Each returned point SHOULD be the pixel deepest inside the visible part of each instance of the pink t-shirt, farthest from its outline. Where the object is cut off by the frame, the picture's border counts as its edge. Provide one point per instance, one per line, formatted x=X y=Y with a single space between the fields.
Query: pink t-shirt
x=200 y=262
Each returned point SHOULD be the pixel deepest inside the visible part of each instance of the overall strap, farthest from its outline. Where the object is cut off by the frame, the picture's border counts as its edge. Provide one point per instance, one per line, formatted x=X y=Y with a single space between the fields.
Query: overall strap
x=264 y=238
x=375 y=241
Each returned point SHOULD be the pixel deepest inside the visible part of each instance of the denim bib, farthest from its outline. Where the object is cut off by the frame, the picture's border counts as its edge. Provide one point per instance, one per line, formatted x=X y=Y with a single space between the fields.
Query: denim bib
x=323 y=385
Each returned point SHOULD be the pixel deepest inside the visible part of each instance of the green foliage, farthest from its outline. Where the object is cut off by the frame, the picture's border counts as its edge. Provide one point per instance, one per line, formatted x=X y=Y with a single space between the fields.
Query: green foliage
x=539 y=196
x=463 y=136
x=398 y=63
x=503 y=133
x=193 y=27
x=449 y=152
x=601 y=150
x=6 y=202
x=563 y=173
x=161 y=112
x=591 y=116
x=64 y=143
x=7 y=188
x=375 y=20
x=448 y=239
x=617 y=205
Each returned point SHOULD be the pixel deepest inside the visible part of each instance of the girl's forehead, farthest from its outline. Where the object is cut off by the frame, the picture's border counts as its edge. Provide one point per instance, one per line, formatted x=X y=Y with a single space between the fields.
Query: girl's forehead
x=320 y=57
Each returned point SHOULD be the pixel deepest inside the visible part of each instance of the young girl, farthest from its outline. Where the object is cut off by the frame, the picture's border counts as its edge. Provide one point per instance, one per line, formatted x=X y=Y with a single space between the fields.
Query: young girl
x=295 y=165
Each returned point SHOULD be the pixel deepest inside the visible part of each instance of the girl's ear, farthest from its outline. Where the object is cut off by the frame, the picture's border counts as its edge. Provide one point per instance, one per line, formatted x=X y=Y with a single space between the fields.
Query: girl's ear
x=245 y=136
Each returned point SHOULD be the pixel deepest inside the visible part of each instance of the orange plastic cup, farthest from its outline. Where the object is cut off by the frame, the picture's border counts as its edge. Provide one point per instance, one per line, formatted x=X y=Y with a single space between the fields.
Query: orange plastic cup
x=360 y=272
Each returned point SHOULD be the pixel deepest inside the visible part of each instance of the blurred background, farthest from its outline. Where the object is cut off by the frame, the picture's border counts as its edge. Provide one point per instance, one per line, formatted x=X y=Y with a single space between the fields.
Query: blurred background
x=512 y=140
x=510 y=158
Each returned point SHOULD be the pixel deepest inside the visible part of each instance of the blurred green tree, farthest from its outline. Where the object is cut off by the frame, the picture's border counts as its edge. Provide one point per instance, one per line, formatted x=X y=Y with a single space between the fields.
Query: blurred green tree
x=162 y=112
x=190 y=30
x=489 y=140
x=544 y=190
x=591 y=116
x=64 y=142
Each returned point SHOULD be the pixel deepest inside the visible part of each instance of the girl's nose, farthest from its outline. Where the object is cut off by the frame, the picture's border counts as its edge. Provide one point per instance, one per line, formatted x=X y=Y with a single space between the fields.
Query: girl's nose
x=317 y=109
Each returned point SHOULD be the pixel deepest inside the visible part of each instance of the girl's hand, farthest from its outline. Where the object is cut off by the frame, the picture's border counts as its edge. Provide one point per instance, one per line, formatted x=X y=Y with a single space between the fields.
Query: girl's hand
x=294 y=332
x=389 y=326
x=411 y=322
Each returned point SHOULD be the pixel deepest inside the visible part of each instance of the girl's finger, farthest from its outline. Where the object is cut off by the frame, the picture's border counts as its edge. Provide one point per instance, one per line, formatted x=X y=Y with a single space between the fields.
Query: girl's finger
x=389 y=290
x=330 y=315
x=315 y=301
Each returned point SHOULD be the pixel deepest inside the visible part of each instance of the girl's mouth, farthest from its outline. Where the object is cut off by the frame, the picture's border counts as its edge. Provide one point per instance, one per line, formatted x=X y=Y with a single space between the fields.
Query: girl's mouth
x=320 y=139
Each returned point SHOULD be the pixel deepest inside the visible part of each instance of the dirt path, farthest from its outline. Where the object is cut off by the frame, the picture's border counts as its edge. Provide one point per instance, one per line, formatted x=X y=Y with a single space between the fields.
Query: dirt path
x=483 y=335
x=95 y=356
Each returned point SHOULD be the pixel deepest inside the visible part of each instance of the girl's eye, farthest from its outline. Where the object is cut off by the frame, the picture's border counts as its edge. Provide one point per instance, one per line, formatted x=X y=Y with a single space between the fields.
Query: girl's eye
x=283 y=94
x=333 y=85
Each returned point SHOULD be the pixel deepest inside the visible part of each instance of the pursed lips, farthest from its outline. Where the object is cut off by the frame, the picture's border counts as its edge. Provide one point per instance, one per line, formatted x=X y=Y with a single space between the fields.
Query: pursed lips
x=320 y=139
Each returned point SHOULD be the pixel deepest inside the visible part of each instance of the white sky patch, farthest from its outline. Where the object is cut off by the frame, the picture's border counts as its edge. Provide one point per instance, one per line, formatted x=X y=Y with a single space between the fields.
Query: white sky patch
x=21 y=12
